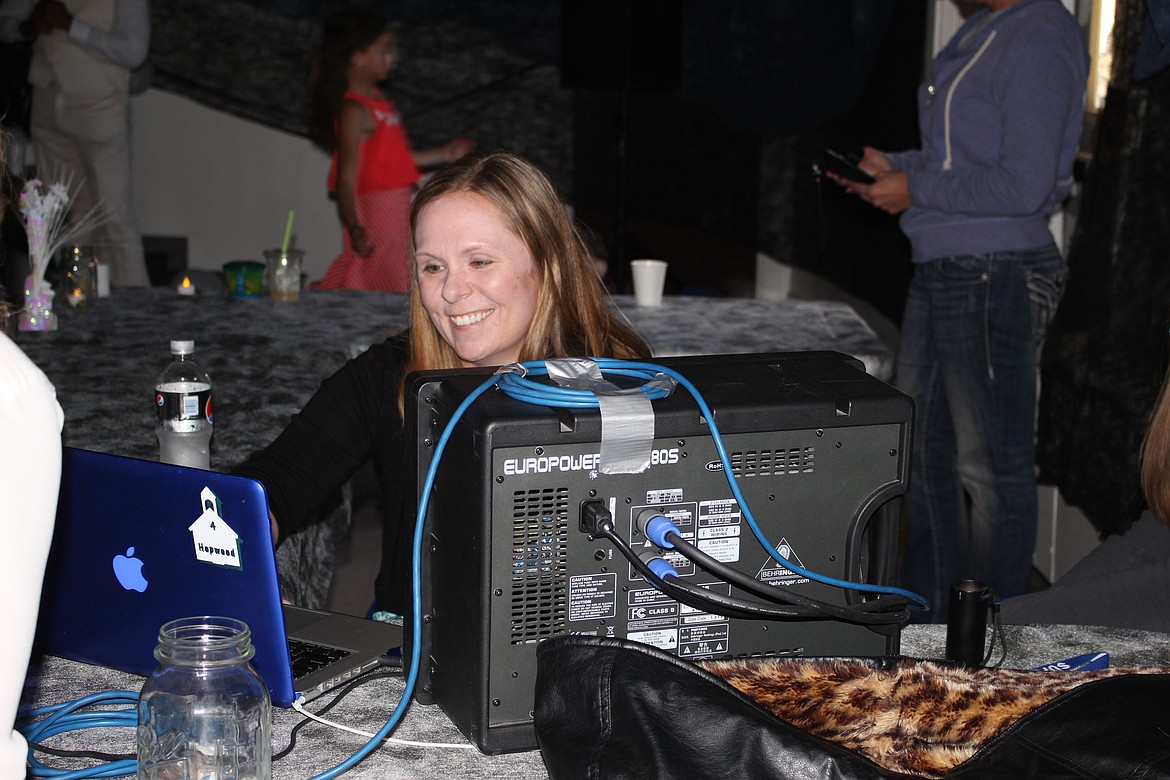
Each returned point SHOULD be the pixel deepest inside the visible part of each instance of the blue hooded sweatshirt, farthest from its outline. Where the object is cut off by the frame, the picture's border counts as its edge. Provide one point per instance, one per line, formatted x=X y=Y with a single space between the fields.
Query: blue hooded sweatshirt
x=1000 y=121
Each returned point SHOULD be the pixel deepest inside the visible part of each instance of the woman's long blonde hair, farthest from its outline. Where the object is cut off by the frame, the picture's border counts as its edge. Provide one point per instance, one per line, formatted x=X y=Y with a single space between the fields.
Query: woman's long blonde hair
x=571 y=316
x=1155 y=459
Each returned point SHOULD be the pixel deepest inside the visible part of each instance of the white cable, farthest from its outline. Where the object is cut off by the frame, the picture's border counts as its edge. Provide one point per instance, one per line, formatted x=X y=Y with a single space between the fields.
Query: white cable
x=406 y=742
x=951 y=93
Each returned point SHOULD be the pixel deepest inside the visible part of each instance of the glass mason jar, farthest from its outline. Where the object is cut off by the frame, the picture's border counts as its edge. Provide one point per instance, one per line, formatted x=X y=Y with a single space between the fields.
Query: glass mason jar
x=204 y=713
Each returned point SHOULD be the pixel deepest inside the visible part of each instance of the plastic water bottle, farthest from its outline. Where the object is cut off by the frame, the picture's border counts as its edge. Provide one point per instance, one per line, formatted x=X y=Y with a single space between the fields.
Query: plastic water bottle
x=182 y=395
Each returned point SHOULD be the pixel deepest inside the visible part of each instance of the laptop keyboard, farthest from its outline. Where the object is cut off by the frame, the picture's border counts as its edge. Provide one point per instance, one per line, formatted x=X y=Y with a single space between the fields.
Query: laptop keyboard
x=308 y=657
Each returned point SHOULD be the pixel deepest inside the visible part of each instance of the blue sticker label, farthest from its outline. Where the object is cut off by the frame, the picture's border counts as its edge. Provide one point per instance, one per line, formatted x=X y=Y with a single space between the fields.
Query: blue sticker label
x=1082 y=663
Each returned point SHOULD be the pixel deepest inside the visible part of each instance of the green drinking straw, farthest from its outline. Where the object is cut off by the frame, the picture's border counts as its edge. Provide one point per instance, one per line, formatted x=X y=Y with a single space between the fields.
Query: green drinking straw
x=287 y=233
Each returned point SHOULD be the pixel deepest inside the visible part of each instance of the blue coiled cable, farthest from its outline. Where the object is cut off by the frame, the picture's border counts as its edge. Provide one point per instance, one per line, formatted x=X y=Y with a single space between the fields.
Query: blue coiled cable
x=44 y=722
x=522 y=388
x=61 y=717
x=416 y=588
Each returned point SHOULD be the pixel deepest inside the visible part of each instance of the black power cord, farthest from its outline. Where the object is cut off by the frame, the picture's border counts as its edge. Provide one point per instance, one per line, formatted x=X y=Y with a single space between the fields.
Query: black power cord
x=881 y=611
x=597 y=520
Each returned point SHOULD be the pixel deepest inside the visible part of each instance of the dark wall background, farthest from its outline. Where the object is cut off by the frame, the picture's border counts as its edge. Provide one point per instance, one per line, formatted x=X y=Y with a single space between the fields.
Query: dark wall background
x=691 y=139
x=717 y=154
x=698 y=151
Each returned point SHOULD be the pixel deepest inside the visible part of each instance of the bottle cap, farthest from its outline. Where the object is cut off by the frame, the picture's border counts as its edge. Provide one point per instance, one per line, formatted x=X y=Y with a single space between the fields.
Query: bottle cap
x=182 y=347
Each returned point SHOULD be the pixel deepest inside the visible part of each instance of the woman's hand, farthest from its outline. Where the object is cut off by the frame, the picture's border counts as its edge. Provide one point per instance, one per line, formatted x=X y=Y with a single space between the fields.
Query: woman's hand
x=360 y=241
x=457 y=147
x=441 y=155
x=891 y=191
x=874 y=162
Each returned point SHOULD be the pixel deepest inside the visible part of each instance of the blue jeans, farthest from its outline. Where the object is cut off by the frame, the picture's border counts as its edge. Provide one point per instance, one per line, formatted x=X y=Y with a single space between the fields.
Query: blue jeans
x=968 y=356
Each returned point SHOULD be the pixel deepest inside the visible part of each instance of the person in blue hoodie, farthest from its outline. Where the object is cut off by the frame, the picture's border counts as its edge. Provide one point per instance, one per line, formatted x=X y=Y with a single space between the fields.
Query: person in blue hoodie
x=1000 y=121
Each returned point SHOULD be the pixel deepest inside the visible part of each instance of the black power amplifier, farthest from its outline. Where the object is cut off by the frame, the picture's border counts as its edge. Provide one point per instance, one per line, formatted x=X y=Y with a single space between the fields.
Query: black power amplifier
x=820 y=452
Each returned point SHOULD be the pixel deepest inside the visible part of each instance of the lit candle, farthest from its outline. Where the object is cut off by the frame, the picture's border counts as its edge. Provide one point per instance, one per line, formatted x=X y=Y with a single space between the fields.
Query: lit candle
x=186 y=288
x=76 y=297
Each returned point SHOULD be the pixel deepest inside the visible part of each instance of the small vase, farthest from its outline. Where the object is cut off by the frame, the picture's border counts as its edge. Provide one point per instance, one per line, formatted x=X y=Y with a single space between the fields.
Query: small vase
x=38 y=310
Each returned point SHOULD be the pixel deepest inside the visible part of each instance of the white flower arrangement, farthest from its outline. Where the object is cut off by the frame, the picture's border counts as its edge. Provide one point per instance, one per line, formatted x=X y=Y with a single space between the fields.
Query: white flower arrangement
x=45 y=211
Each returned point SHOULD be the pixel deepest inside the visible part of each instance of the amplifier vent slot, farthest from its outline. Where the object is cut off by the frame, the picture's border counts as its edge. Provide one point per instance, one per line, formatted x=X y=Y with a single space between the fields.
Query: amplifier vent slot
x=767 y=463
x=540 y=523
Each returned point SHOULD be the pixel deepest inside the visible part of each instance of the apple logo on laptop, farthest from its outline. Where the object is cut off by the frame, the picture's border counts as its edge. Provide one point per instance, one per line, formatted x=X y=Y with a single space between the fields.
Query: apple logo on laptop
x=128 y=570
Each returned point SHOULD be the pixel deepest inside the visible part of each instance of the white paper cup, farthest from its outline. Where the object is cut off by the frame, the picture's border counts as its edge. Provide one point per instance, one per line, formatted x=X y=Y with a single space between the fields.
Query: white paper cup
x=103 y=279
x=649 y=278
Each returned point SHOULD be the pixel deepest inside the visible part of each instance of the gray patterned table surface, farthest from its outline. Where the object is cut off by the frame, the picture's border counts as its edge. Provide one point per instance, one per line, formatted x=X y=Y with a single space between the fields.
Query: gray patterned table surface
x=266 y=359
x=319 y=747
x=694 y=325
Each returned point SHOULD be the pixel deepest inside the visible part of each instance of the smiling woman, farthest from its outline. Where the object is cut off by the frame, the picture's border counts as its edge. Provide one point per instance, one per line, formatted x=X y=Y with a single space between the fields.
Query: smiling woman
x=503 y=198
x=500 y=275
x=476 y=279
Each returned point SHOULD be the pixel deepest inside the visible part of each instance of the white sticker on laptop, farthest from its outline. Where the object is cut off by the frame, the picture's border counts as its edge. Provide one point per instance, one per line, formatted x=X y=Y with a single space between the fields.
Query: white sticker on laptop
x=215 y=541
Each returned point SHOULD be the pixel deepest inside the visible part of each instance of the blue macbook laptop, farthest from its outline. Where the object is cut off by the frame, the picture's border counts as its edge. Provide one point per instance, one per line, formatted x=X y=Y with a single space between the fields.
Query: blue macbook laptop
x=138 y=543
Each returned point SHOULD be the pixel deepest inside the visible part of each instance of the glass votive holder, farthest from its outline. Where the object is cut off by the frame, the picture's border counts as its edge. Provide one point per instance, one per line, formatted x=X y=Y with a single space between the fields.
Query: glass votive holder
x=78 y=281
x=284 y=273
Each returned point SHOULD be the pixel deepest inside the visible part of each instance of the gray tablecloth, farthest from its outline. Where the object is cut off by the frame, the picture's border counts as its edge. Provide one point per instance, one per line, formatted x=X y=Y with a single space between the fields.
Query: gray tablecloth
x=694 y=325
x=266 y=358
x=319 y=747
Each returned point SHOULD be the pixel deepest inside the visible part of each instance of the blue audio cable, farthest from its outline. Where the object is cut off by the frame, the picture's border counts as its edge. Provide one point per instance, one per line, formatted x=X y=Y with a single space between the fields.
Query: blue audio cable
x=63 y=717
x=416 y=588
x=522 y=388
x=41 y=723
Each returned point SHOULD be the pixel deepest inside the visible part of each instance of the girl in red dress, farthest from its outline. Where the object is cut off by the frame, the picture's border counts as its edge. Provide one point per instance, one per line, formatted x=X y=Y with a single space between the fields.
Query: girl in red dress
x=373 y=172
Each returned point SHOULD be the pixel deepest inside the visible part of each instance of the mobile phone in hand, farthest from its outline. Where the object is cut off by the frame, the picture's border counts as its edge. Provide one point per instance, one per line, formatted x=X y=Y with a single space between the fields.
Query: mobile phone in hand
x=844 y=164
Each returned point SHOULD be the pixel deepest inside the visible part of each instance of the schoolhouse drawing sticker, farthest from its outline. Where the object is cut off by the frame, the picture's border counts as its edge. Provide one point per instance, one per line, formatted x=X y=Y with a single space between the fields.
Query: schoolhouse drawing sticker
x=215 y=541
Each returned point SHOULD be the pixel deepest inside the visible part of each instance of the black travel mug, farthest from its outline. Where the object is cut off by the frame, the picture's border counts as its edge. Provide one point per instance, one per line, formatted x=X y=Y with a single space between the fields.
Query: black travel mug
x=967 y=622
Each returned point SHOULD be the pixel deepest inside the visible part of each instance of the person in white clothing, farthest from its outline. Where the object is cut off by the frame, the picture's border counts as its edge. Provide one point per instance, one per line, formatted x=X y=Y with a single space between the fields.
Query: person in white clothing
x=30 y=476
x=83 y=54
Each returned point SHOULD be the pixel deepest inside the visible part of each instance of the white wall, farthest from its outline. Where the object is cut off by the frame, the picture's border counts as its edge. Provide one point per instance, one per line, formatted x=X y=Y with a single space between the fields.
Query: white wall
x=1064 y=535
x=227 y=184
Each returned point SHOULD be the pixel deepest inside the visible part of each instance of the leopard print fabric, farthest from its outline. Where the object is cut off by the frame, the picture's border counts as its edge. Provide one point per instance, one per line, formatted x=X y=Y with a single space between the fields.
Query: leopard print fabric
x=915 y=717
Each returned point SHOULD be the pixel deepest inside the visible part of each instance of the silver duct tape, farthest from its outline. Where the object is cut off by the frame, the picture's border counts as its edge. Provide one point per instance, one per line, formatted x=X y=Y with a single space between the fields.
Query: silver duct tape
x=627 y=417
x=512 y=368
x=579 y=374
x=627 y=432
